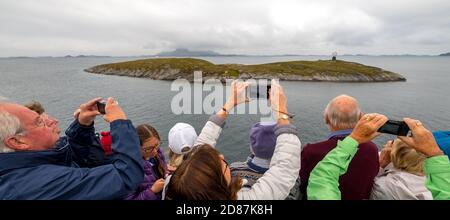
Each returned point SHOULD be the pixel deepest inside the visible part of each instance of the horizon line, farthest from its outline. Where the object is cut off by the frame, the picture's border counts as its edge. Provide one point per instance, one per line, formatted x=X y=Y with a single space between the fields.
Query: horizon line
x=218 y=55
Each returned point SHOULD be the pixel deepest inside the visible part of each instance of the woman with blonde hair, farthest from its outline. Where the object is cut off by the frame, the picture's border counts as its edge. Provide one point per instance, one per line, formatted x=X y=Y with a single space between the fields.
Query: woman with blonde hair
x=182 y=137
x=401 y=175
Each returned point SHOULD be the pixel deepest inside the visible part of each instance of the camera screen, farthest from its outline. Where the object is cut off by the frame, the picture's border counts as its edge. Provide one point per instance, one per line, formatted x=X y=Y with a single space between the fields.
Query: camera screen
x=395 y=127
x=390 y=128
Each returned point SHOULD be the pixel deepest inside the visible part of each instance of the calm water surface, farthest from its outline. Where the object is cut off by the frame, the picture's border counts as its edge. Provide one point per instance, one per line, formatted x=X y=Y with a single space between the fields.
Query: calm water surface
x=61 y=85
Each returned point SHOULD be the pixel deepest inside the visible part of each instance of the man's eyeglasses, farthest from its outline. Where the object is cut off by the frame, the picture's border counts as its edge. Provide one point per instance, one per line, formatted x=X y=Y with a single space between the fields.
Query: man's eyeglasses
x=42 y=121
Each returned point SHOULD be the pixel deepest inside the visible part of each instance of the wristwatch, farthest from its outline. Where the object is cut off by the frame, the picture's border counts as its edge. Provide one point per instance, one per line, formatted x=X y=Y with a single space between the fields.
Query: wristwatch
x=283 y=116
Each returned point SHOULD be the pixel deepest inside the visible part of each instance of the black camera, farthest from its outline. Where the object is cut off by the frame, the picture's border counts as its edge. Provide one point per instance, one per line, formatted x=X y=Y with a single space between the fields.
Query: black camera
x=399 y=128
x=260 y=90
x=101 y=106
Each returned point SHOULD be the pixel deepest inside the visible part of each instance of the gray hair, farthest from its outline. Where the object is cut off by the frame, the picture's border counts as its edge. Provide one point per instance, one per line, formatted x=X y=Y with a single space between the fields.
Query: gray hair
x=10 y=125
x=343 y=117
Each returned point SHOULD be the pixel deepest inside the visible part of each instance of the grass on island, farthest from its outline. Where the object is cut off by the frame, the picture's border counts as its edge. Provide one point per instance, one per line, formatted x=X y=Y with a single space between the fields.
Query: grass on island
x=304 y=68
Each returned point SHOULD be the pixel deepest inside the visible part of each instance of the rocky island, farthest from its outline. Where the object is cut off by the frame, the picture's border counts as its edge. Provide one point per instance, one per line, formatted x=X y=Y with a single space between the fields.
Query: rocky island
x=176 y=68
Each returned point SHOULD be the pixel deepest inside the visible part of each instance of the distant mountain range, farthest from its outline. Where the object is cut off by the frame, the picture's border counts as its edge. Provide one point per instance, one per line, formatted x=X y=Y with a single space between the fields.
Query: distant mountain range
x=67 y=56
x=183 y=52
x=81 y=56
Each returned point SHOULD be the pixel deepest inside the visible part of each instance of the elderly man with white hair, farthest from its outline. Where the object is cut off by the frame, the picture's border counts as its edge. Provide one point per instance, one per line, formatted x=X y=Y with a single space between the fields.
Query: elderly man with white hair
x=36 y=163
x=341 y=115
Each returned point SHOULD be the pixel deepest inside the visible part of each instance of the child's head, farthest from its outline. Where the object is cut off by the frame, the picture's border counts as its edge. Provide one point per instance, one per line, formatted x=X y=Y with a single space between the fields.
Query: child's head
x=263 y=140
x=149 y=140
x=35 y=106
x=182 y=137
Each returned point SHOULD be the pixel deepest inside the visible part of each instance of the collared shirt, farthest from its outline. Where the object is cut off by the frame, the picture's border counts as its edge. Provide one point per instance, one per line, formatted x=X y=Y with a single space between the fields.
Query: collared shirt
x=258 y=164
x=340 y=133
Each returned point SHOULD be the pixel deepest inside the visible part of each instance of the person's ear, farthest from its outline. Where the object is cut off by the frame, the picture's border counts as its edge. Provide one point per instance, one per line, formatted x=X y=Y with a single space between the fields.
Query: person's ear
x=16 y=143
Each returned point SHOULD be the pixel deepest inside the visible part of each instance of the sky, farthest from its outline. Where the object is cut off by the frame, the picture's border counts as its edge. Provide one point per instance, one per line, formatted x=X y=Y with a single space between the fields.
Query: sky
x=251 y=27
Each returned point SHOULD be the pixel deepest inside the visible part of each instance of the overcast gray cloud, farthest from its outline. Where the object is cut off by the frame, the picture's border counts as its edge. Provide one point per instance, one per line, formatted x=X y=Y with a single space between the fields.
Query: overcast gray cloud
x=138 y=27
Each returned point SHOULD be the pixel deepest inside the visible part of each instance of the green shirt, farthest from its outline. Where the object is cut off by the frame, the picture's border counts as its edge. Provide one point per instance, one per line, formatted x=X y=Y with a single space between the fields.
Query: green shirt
x=324 y=179
x=437 y=169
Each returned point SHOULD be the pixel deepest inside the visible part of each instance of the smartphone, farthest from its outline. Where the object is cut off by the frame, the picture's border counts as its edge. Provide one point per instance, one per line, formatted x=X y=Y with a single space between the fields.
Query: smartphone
x=399 y=128
x=260 y=90
x=101 y=106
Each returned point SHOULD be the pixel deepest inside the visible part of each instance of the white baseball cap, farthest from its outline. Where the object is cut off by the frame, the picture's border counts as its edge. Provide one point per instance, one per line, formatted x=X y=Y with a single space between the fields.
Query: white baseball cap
x=181 y=135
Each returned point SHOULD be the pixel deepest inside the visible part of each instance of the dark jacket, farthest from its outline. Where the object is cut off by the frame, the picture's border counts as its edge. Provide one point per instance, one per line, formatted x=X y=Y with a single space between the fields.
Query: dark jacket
x=357 y=183
x=144 y=192
x=76 y=167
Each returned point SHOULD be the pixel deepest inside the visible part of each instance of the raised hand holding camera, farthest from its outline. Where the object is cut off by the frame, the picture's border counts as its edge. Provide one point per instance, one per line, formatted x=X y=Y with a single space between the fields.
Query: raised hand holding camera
x=278 y=102
x=367 y=127
x=422 y=139
x=101 y=106
x=113 y=111
x=88 y=111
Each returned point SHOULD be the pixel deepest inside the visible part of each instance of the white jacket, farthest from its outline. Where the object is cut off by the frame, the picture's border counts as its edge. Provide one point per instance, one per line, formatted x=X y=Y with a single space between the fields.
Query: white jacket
x=276 y=182
x=394 y=184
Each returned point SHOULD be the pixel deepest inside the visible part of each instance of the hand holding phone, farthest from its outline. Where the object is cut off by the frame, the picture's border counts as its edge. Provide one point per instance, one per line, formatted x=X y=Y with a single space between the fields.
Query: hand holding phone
x=367 y=127
x=259 y=90
x=114 y=111
x=399 y=128
x=422 y=139
x=87 y=112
